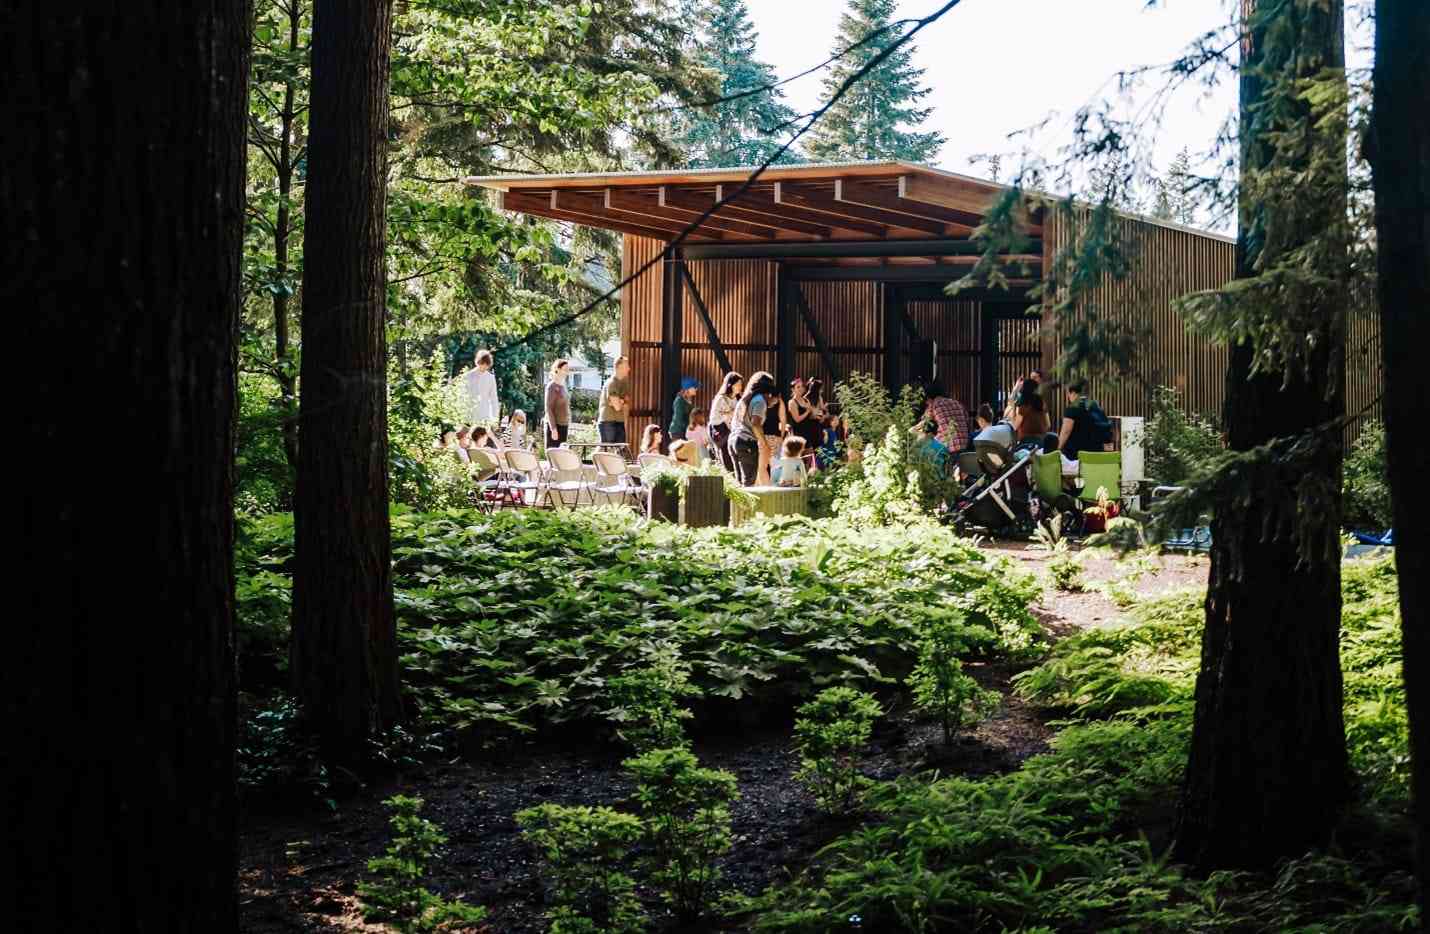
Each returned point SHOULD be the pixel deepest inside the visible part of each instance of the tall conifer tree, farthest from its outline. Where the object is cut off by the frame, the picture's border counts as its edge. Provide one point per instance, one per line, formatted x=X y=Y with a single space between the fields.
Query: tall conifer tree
x=740 y=130
x=879 y=116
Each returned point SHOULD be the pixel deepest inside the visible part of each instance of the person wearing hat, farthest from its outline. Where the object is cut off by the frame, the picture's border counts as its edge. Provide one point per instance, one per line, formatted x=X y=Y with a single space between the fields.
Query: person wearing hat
x=684 y=403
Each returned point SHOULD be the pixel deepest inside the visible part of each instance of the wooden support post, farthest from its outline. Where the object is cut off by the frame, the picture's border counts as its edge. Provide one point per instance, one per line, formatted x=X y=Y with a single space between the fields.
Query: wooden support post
x=820 y=344
x=893 y=339
x=988 y=356
x=785 y=331
x=710 y=332
x=672 y=321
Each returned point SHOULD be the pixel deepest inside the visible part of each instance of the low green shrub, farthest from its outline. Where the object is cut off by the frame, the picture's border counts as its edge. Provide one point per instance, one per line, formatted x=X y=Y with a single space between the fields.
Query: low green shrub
x=523 y=620
x=646 y=702
x=1365 y=485
x=1063 y=843
x=583 y=851
x=1177 y=445
x=939 y=686
x=685 y=810
x=830 y=734
x=397 y=896
x=1065 y=568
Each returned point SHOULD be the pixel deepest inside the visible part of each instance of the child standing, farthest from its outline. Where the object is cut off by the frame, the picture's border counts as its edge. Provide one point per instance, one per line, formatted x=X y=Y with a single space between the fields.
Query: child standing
x=789 y=470
x=698 y=434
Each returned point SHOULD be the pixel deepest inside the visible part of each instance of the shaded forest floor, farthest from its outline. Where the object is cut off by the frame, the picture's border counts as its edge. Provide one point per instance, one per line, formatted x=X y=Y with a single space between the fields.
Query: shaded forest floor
x=299 y=871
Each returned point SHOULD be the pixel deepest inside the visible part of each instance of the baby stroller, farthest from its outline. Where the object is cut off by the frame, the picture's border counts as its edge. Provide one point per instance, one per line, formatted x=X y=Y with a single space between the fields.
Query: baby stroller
x=999 y=501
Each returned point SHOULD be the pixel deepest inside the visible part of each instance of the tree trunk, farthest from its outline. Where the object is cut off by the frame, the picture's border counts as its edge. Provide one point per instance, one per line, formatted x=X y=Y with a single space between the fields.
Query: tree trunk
x=1399 y=149
x=282 y=231
x=121 y=204
x=344 y=649
x=1268 y=773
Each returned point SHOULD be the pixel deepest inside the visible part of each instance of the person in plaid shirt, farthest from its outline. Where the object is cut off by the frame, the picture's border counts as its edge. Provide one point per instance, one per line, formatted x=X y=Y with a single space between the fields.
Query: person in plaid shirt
x=950 y=416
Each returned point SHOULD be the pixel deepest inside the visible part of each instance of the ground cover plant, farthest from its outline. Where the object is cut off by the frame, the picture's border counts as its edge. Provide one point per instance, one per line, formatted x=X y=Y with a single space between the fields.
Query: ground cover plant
x=1075 y=839
x=526 y=621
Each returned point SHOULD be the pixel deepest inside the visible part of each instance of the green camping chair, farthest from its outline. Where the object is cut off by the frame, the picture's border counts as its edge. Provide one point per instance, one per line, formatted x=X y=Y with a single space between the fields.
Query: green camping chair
x=1048 y=476
x=1099 y=469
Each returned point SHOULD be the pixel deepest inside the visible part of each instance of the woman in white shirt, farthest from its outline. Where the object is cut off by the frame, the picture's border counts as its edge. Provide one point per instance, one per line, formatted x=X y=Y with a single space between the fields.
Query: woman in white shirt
x=482 y=391
x=722 y=412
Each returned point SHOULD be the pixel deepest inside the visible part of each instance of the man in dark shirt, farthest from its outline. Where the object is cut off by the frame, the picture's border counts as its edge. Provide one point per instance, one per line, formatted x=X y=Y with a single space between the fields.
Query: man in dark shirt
x=1083 y=421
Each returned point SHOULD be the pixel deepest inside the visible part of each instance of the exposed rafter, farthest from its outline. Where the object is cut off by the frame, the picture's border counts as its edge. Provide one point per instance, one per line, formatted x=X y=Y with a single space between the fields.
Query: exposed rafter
x=810 y=198
x=687 y=200
x=856 y=192
x=649 y=204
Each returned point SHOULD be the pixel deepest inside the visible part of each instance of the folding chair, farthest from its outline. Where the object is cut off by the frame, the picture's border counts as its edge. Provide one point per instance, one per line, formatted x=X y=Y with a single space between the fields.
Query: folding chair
x=486 y=475
x=613 y=479
x=1099 y=470
x=526 y=476
x=646 y=459
x=567 y=481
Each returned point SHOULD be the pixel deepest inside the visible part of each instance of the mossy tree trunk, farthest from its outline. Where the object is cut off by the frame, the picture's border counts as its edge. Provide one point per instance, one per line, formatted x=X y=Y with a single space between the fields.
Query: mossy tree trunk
x=121 y=203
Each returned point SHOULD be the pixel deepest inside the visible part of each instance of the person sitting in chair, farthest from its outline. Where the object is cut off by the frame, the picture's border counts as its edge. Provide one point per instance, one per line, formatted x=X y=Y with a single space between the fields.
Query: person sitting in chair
x=998 y=432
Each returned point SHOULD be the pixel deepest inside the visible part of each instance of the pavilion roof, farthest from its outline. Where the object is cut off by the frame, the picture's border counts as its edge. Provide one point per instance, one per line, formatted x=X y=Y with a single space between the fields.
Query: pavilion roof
x=807 y=202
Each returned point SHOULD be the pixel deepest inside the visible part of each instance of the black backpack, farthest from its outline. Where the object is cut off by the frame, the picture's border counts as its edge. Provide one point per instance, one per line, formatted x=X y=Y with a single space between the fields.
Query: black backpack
x=1101 y=424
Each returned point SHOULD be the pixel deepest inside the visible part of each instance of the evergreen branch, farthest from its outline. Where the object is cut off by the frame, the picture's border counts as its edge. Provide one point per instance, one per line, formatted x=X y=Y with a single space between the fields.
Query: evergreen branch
x=674 y=245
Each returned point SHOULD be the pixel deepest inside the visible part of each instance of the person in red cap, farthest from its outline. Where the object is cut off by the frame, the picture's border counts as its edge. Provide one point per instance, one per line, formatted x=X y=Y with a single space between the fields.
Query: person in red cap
x=684 y=403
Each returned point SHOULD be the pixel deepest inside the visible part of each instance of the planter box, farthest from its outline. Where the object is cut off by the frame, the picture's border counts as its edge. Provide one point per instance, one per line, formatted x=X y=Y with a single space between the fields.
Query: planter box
x=704 y=503
x=662 y=505
x=773 y=501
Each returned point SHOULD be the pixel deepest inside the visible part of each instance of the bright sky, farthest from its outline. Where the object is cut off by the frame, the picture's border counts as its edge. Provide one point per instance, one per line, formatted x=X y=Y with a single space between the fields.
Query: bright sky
x=998 y=66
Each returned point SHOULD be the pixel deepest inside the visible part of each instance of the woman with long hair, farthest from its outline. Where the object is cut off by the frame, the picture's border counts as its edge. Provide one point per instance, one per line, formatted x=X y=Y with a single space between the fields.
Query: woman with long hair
x=722 y=415
x=558 y=404
x=652 y=439
x=750 y=446
x=806 y=414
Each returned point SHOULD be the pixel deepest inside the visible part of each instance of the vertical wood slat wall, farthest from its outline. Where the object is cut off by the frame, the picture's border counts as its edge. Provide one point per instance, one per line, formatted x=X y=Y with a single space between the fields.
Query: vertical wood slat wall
x=742 y=298
x=1168 y=263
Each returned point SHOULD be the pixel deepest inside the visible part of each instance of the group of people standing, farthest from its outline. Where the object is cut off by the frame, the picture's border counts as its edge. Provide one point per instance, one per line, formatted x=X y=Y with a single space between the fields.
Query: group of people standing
x=765 y=438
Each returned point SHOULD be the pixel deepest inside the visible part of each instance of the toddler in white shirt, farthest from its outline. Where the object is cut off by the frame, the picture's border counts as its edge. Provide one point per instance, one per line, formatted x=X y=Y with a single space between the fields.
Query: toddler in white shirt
x=789 y=470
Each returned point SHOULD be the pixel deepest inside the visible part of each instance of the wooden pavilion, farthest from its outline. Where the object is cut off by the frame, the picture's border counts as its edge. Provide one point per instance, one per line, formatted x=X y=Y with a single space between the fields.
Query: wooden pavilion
x=820 y=270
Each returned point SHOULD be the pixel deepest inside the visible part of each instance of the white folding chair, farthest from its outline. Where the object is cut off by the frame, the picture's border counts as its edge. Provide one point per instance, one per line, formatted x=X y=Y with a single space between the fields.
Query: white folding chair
x=568 y=480
x=613 y=479
x=486 y=476
x=647 y=459
x=526 y=476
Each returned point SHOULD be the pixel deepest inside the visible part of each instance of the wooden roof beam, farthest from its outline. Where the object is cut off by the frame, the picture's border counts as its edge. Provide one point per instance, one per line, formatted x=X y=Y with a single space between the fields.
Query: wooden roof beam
x=944 y=193
x=540 y=206
x=766 y=204
x=699 y=202
x=651 y=205
x=855 y=192
x=592 y=206
x=815 y=200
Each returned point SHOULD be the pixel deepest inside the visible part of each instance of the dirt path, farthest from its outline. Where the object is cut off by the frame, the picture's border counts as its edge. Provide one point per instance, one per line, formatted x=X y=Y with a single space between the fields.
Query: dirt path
x=298 y=872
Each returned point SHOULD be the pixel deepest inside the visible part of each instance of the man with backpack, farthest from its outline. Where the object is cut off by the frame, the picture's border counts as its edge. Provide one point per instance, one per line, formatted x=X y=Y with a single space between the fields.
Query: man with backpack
x=1085 y=427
